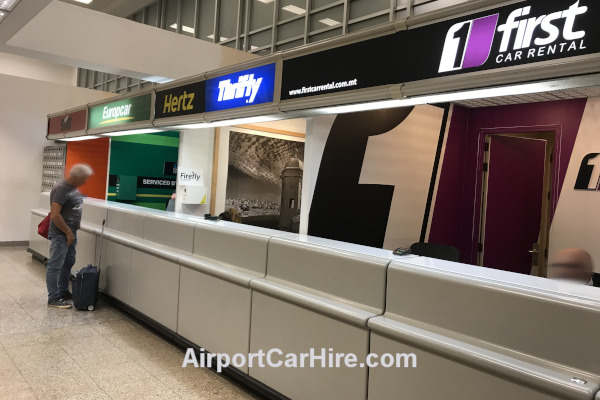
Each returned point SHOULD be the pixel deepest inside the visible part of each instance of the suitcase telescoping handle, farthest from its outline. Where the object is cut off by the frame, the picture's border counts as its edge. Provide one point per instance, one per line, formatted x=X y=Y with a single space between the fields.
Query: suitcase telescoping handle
x=101 y=243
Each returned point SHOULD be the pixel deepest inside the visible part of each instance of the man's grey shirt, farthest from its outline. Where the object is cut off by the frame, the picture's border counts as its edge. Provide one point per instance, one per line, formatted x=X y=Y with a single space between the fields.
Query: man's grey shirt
x=72 y=205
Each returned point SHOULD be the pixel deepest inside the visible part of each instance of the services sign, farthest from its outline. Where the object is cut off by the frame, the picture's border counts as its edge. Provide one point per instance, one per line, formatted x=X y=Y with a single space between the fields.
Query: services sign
x=181 y=100
x=518 y=34
x=121 y=112
x=71 y=122
x=241 y=89
x=147 y=182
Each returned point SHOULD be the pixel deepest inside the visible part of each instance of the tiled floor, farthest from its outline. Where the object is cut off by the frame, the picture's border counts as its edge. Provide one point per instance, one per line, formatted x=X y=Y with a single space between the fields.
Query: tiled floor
x=47 y=353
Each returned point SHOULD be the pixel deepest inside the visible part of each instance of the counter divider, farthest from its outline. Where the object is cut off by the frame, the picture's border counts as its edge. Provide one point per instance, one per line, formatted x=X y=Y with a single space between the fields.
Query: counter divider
x=228 y=274
x=528 y=374
x=338 y=309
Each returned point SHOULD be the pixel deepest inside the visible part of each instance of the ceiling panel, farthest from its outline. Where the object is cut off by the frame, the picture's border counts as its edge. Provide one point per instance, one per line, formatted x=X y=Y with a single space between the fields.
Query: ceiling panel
x=119 y=8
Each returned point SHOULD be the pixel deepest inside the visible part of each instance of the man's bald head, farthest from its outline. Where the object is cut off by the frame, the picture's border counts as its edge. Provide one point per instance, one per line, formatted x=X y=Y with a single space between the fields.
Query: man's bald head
x=572 y=264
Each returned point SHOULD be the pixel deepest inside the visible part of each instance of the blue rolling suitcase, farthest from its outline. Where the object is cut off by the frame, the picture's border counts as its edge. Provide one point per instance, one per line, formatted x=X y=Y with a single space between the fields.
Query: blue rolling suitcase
x=85 y=283
x=85 y=288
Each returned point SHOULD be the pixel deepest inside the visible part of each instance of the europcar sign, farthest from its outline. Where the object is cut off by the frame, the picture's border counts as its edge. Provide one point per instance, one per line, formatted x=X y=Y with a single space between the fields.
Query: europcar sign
x=241 y=89
x=121 y=112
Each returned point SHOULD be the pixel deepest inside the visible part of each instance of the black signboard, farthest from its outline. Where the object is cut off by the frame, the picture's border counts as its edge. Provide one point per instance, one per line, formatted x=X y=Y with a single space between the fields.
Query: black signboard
x=145 y=182
x=354 y=66
x=522 y=33
x=181 y=100
x=170 y=168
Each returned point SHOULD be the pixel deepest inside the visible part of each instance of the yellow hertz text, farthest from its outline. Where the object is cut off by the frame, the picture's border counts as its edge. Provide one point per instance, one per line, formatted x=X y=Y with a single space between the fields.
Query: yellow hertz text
x=175 y=104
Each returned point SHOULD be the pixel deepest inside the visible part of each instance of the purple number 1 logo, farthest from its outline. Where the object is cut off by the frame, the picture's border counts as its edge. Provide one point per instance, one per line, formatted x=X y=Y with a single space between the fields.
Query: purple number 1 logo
x=468 y=44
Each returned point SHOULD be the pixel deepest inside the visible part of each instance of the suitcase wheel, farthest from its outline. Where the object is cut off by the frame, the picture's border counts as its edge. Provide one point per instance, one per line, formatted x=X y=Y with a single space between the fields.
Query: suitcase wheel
x=90 y=307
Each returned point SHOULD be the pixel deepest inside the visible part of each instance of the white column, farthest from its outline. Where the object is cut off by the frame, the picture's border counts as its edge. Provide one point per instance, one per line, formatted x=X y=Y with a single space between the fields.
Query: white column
x=196 y=151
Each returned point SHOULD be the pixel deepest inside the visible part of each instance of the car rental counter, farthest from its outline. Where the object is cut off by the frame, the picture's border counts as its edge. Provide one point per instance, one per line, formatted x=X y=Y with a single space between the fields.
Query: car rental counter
x=229 y=288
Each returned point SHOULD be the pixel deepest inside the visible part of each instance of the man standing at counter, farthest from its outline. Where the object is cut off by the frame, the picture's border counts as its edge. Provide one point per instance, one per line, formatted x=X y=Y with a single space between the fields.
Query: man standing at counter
x=66 y=205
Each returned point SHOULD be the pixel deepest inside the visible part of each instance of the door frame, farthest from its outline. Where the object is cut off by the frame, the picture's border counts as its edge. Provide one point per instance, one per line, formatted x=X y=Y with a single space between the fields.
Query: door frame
x=540 y=263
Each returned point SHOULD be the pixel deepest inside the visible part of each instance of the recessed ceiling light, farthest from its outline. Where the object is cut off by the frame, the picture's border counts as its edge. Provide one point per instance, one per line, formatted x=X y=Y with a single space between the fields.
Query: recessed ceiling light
x=266 y=1
x=211 y=37
x=184 y=28
x=8 y=5
x=329 y=21
x=2 y=15
x=84 y=1
x=294 y=9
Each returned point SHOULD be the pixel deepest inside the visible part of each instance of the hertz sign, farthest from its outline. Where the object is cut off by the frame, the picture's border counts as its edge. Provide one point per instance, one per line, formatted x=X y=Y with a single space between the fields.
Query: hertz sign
x=181 y=100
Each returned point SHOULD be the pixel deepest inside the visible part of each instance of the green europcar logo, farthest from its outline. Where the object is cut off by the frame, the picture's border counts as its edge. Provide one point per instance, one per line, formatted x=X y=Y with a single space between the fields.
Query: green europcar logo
x=121 y=112
x=116 y=114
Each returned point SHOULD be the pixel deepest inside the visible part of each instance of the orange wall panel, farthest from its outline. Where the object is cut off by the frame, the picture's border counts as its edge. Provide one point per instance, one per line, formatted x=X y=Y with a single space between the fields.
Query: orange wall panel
x=94 y=153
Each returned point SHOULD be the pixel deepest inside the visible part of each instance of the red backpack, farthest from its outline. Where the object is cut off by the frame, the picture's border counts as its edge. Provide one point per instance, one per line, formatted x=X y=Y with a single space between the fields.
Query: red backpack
x=44 y=226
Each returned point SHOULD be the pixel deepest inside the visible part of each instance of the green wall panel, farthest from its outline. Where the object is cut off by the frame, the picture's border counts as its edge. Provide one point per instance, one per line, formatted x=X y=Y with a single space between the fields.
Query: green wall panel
x=144 y=156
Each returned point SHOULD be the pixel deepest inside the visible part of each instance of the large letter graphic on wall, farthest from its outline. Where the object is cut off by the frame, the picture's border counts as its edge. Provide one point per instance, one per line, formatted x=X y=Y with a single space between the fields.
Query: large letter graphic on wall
x=342 y=209
x=589 y=173
x=405 y=159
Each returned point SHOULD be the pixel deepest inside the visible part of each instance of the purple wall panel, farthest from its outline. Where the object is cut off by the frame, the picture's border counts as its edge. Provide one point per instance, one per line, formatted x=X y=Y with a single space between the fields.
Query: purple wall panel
x=446 y=221
x=455 y=219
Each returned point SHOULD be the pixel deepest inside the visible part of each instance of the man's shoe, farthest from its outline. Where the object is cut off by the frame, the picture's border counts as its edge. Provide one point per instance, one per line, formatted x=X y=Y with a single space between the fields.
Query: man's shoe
x=58 y=303
x=66 y=295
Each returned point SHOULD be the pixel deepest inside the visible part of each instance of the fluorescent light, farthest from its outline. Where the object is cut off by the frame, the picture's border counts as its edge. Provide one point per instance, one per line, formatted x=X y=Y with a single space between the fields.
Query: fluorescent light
x=79 y=138
x=230 y=122
x=8 y=5
x=84 y=1
x=158 y=79
x=132 y=132
x=211 y=37
x=294 y=9
x=2 y=15
x=513 y=90
x=378 y=105
x=329 y=22
x=266 y=1
x=184 y=28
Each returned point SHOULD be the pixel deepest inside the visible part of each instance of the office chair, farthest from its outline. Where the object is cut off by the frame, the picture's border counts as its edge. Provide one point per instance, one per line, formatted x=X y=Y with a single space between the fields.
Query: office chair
x=596 y=279
x=439 y=251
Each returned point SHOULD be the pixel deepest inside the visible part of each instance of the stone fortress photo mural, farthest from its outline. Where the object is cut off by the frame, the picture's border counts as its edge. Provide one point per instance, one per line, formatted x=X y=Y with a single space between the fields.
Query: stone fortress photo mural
x=264 y=180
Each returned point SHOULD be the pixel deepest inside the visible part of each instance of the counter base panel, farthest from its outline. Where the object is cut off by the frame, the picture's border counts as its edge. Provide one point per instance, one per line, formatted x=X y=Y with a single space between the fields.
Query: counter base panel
x=438 y=377
x=214 y=313
x=277 y=324
x=37 y=243
x=116 y=270
x=37 y=256
x=234 y=375
x=154 y=288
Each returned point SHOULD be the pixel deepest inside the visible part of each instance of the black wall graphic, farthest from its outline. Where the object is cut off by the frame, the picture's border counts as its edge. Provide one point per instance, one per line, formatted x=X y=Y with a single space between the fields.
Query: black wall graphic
x=586 y=171
x=341 y=208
